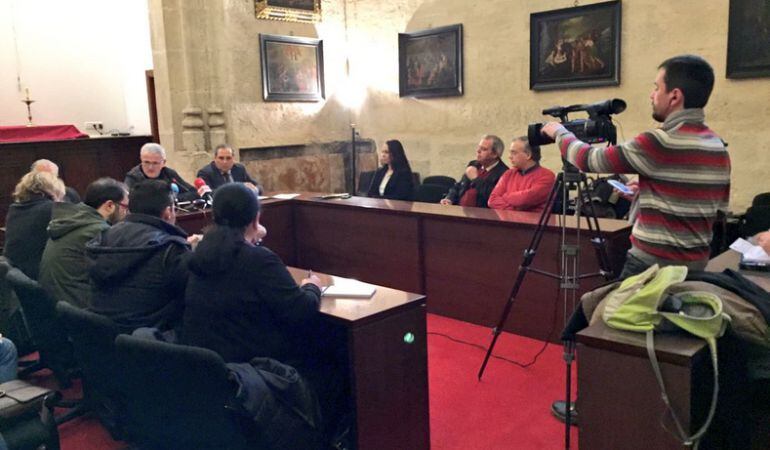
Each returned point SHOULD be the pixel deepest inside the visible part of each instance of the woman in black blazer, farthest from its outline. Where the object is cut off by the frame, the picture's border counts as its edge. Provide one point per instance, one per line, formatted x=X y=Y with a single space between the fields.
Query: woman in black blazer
x=393 y=180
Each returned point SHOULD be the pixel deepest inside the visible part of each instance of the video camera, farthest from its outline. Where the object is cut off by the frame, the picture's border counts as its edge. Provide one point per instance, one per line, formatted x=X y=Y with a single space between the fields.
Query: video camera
x=597 y=128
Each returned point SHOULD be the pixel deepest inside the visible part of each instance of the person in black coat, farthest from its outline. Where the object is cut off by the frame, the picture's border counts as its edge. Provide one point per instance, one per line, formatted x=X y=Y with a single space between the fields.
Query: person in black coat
x=153 y=167
x=242 y=302
x=27 y=220
x=223 y=169
x=393 y=180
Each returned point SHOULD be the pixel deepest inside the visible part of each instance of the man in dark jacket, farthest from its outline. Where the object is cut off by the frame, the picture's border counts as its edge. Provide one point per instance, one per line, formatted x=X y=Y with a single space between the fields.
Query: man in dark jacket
x=481 y=175
x=64 y=267
x=153 y=167
x=223 y=169
x=138 y=267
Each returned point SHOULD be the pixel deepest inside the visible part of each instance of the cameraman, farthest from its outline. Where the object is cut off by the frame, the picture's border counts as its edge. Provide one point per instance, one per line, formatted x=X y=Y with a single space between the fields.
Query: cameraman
x=683 y=167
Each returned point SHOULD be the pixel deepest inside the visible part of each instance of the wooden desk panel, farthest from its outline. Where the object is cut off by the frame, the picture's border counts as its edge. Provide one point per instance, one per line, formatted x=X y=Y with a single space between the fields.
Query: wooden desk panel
x=388 y=374
x=373 y=246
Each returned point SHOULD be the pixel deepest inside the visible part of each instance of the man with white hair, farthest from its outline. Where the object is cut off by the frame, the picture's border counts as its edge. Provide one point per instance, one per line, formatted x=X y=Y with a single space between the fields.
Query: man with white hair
x=46 y=165
x=153 y=167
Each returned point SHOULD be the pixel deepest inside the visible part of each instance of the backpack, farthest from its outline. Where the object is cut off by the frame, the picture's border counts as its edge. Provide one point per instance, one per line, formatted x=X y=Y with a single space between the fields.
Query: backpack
x=643 y=303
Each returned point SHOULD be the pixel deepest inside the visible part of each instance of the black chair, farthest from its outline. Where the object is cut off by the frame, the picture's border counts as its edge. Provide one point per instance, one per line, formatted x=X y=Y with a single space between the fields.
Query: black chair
x=430 y=193
x=756 y=219
x=47 y=332
x=441 y=180
x=93 y=341
x=364 y=181
x=762 y=199
x=178 y=397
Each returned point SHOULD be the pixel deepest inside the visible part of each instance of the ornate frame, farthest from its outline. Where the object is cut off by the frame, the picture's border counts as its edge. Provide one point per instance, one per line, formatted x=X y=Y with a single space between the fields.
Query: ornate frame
x=450 y=36
x=289 y=10
x=575 y=47
x=748 y=55
x=293 y=72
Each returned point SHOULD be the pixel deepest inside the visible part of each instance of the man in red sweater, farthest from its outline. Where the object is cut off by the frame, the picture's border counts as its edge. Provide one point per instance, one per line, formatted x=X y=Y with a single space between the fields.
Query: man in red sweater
x=525 y=187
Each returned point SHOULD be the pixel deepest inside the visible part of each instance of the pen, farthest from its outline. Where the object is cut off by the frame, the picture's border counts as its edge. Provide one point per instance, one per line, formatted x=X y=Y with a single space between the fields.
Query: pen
x=309 y=273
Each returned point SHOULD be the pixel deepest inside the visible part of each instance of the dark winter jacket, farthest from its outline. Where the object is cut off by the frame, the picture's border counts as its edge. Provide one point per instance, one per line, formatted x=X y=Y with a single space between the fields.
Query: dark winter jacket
x=25 y=233
x=64 y=267
x=241 y=302
x=484 y=186
x=186 y=191
x=138 y=273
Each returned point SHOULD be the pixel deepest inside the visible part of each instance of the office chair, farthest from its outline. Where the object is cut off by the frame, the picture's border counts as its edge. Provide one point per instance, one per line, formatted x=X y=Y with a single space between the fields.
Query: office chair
x=178 y=397
x=430 y=193
x=93 y=341
x=441 y=180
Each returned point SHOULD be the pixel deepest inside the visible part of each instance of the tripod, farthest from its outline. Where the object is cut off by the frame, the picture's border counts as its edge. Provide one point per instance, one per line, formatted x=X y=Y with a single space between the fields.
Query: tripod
x=569 y=268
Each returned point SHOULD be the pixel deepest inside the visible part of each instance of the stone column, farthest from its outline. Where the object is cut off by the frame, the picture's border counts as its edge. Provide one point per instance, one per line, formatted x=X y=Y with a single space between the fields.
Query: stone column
x=193 y=136
x=217 y=130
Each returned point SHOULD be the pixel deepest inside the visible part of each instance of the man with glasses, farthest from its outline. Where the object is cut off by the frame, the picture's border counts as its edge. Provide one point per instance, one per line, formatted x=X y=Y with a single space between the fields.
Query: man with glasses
x=138 y=268
x=481 y=175
x=63 y=268
x=153 y=167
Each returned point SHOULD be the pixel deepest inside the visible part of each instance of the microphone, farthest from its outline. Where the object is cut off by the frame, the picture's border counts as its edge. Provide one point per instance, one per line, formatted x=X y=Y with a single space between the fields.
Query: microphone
x=199 y=183
x=174 y=189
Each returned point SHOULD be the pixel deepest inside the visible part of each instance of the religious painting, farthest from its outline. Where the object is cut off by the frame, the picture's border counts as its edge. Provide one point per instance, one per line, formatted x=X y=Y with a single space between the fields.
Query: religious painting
x=575 y=47
x=748 y=39
x=292 y=68
x=289 y=10
x=430 y=62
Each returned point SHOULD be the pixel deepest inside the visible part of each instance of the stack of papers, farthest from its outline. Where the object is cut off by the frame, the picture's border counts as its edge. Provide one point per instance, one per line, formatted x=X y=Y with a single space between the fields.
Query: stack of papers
x=285 y=196
x=345 y=288
x=752 y=254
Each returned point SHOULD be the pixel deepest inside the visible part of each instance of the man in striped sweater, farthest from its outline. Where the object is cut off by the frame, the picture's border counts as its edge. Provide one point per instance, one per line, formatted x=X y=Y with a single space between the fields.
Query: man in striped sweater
x=683 y=167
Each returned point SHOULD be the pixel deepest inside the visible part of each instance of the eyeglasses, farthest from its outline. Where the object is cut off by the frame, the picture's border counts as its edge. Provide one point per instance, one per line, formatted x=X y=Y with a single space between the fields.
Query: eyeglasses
x=153 y=163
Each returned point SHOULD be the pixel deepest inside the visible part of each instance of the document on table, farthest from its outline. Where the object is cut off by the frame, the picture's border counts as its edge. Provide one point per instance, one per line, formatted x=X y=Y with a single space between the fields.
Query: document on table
x=346 y=288
x=285 y=196
x=751 y=253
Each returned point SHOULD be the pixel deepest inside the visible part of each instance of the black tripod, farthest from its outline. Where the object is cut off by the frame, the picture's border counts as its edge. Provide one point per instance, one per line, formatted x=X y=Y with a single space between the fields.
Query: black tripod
x=569 y=268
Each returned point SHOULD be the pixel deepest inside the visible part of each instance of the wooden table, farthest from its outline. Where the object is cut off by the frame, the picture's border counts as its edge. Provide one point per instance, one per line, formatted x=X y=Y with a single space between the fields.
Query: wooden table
x=464 y=259
x=387 y=361
x=619 y=400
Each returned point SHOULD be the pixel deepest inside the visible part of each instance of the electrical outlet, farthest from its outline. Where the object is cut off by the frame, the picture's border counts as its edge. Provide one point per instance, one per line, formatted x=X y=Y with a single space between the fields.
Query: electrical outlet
x=94 y=126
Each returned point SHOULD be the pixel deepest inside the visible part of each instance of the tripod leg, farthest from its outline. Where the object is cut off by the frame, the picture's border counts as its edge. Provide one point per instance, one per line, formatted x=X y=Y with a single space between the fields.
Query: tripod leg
x=529 y=256
x=569 y=356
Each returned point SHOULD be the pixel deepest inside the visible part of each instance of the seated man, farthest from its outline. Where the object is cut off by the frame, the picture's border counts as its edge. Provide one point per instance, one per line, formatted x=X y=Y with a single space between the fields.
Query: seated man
x=44 y=165
x=525 y=187
x=64 y=267
x=138 y=267
x=153 y=167
x=223 y=169
x=480 y=176
x=28 y=218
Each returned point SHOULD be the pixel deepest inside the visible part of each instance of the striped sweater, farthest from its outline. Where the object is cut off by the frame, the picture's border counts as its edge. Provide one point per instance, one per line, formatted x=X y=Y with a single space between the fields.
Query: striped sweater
x=684 y=179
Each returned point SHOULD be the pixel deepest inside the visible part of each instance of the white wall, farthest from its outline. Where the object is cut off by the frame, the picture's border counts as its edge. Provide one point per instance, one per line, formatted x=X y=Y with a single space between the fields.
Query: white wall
x=82 y=60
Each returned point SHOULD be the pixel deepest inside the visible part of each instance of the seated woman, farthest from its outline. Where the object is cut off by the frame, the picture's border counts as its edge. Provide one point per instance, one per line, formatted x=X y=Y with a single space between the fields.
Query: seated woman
x=27 y=221
x=393 y=180
x=241 y=301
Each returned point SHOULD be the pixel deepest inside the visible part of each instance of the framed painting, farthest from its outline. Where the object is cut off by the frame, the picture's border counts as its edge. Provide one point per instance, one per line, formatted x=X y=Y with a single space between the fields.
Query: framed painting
x=748 y=39
x=289 y=10
x=430 y=62
x=575 y=47
x=292 y=68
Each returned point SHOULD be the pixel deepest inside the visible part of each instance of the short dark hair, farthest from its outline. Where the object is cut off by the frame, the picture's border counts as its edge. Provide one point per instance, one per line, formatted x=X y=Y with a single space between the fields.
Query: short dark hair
x=235 y=205
x=497 y=144
x=398 y=161
x=534 y=150
x=220 y=147
x=692 y=75
x=104 y=189
x=150 y=197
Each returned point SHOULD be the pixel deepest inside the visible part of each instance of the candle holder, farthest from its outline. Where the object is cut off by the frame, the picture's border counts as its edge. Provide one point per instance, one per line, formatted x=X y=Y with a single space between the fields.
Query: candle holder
x=28 y=102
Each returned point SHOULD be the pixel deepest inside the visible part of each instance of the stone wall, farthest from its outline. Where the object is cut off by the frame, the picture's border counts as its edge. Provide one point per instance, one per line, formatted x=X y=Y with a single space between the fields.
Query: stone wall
x=207 y=56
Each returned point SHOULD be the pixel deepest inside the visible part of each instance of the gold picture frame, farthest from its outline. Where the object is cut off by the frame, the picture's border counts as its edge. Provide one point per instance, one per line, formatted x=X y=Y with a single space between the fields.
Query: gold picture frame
x=289 y=10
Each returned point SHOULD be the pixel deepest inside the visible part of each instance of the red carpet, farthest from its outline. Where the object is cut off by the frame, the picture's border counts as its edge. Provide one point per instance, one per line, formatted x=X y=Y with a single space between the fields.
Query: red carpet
x=509 y=409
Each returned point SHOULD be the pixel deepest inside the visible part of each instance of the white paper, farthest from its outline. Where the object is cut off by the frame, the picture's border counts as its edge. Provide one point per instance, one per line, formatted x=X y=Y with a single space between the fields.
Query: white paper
x=263 y=197
x=345 y=288
x=285 y=196
x=750 y=252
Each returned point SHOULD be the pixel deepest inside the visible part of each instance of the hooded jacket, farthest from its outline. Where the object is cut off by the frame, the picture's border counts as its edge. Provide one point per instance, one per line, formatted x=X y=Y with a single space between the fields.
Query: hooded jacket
x=138 y=273
x=25 y=233
x=241 y=302
x=64 y=267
